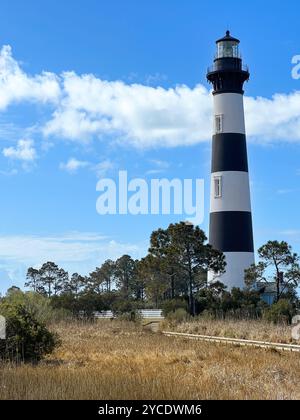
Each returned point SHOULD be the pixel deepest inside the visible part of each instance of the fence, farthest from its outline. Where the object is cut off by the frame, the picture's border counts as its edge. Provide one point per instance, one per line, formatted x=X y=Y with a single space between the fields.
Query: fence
x=146 y=314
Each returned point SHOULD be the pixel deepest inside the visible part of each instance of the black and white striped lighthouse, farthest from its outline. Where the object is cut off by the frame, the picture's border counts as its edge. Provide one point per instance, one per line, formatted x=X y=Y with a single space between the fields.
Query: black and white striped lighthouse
x=230 y=214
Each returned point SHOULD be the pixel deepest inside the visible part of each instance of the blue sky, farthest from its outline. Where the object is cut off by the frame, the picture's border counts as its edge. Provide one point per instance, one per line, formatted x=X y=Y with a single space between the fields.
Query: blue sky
x=88 y=88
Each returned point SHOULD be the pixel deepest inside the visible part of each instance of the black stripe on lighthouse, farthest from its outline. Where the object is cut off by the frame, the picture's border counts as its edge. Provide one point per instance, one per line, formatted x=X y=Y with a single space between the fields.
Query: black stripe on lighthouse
x=229 y=153
x=231 y=231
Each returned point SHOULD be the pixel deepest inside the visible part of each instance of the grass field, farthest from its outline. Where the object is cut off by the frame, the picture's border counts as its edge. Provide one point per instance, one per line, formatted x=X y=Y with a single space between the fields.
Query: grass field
x=119 y=360
x=243 y=329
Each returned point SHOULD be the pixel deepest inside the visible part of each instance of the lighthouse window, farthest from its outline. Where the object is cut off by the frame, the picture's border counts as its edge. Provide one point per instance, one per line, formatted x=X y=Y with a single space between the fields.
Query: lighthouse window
x=218 y=186
x=228 y=49
x=219 y=123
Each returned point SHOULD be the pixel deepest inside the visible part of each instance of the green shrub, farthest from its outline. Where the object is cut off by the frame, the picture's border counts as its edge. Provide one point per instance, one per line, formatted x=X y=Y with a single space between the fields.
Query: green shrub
x=133 y=316
x=180 y=315
x=27 y=340
x=126 y=309
x=173 y=305
x=208 y=315
x=124 y=306
x=280 y=312
x=38 y=306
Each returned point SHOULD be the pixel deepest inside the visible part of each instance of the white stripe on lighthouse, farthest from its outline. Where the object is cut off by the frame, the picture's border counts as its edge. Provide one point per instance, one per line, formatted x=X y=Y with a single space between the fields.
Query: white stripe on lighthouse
x=231 y=107
x=235 y=192
x=237 y=263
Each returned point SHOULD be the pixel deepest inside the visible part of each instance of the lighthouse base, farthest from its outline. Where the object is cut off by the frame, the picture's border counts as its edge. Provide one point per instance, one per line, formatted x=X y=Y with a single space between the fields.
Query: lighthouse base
x=237 y=263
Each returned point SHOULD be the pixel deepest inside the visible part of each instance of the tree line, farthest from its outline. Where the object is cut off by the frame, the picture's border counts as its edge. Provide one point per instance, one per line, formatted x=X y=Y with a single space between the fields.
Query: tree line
x=175 y=267
x=173 y=274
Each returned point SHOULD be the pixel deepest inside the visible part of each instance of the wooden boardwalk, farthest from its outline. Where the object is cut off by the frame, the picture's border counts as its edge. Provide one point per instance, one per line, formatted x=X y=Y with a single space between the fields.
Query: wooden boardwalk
x=235 y=341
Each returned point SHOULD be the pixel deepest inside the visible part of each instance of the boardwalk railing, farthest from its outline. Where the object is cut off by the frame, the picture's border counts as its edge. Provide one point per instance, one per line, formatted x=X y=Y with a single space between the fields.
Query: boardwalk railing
x=235 y=341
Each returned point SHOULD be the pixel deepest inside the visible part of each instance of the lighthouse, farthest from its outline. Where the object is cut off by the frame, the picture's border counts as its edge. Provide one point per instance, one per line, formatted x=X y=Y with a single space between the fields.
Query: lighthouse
x=230 y=205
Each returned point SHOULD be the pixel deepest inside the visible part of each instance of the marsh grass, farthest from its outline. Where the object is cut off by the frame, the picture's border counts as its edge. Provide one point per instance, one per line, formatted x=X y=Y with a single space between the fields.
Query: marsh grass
x=244 y=329
x=121 y=360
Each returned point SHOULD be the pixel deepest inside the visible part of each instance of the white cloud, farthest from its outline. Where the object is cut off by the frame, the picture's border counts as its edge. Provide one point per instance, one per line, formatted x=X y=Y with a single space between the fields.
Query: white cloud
x=17 y=86
x=24 y=151
x=70 y=247
x=103 y=167
x=274 y=119
x=284 y=191
x=139 y=115
x=154 y=79
x=145 y=116
x=162 y=164
x=86 y=107
x=73 y=165
x=11 y=172
x=154 y=171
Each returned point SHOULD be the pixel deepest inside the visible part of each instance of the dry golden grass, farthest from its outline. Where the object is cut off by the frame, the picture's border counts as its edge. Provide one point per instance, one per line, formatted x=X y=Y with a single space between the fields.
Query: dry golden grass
x=115 y=360
x=247 y=330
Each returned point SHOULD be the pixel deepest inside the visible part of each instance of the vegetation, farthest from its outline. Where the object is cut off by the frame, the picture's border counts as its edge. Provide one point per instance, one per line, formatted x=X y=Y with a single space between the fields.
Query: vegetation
x=245 y=329
x=38 y=306
x=27 y=340
x=281 y=312
x=283 y=265
x=182 y=258
x=172 y=305
x=175 y=268
x=118 y=360
x=173 y=276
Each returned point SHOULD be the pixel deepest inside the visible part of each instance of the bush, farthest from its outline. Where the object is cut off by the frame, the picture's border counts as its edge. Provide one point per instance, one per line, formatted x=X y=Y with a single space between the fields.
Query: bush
x=38 y=306
x=124 y=307
x=173 y=305
x=208 y=315
x=27 y=340
x=280 y=312
x=180 y=315
x=133 y=316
